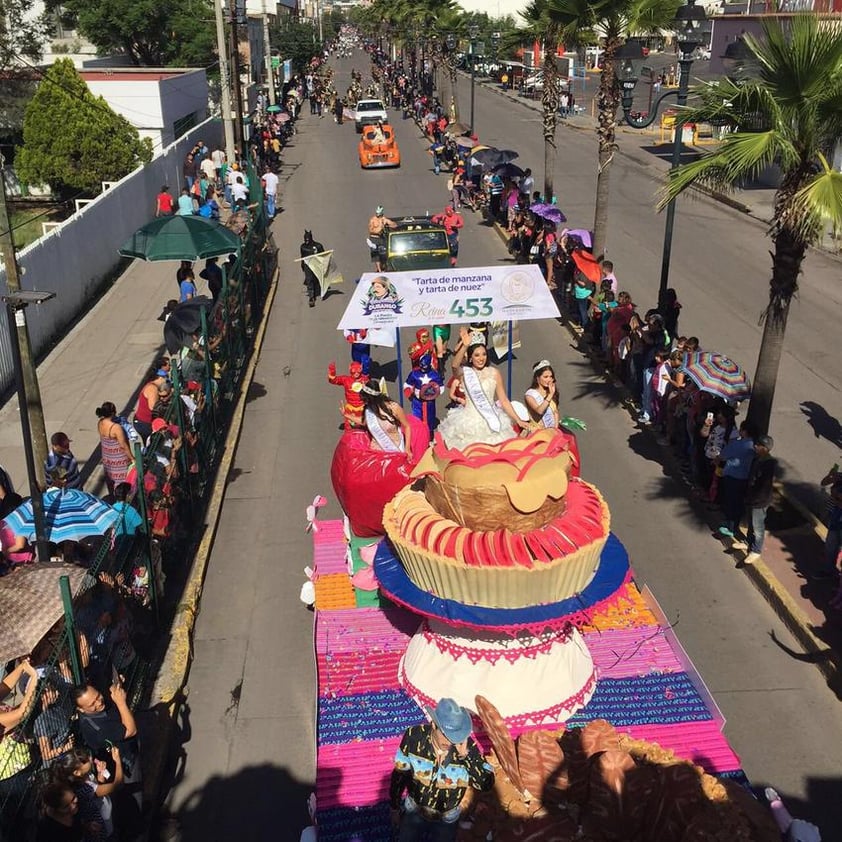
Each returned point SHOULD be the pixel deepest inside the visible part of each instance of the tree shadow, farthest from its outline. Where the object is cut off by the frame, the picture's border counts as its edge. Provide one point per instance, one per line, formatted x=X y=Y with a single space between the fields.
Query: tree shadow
x=823 y=424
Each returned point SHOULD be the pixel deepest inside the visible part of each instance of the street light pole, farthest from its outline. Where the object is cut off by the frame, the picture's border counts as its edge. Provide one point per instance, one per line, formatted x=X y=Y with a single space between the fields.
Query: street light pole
x=16 y=304
x=19 y=337
x=689 y=23
x=473 y=31
x=238 y=90
x=224 y=79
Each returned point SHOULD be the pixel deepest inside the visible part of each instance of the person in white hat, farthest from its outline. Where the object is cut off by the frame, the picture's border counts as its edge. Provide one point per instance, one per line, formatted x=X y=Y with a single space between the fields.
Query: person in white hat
x=435 y=765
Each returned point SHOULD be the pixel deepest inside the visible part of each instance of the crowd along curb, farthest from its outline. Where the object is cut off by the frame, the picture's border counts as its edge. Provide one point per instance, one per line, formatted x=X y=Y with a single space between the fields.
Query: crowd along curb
x=786 y=609
x=170 y=690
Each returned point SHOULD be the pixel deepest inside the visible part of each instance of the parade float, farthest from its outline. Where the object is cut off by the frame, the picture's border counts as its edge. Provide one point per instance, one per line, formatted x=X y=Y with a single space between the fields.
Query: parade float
x=496 y=580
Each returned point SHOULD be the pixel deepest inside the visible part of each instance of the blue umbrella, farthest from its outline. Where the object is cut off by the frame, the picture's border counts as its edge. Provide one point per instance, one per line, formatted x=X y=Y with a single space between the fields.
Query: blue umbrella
x=69 y=515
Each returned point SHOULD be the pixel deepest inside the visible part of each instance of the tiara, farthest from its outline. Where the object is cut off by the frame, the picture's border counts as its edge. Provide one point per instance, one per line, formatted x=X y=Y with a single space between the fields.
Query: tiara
x=541 y=364
x=378 y=389
x=476 y=338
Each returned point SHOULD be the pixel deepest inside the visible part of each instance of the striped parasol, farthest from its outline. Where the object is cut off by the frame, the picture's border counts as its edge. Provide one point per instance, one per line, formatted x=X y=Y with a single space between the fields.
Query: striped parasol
x=69 y=515
x=718 y=375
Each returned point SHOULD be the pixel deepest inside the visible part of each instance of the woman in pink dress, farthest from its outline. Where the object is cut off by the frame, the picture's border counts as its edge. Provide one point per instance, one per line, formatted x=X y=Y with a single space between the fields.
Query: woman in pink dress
x=117 y=456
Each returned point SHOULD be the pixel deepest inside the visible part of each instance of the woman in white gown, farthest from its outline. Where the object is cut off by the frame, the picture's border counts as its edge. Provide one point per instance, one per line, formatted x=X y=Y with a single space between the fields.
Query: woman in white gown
x=481 y=419
x=542 y=397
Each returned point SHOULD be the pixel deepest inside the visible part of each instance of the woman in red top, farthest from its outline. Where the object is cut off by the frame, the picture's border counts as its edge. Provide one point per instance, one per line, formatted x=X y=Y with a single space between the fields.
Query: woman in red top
x=165 y=204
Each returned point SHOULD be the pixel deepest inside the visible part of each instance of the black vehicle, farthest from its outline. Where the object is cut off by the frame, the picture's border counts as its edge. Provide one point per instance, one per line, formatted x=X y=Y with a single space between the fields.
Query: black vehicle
x=416 y=243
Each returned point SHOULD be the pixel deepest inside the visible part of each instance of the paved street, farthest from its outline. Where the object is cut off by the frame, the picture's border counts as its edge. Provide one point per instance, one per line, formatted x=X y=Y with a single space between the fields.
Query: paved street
x=250 y=759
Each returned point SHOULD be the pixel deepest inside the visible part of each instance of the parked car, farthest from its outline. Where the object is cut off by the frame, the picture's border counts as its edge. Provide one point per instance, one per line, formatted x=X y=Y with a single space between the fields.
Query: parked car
x=378 y=149
x=369 y=112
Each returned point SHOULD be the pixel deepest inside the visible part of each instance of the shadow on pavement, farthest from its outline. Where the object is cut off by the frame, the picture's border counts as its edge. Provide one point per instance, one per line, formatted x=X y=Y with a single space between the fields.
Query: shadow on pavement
x=824 y=425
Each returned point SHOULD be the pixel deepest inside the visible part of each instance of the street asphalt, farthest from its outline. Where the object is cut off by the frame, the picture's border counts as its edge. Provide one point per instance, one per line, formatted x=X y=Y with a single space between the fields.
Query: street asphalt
x=249 y=762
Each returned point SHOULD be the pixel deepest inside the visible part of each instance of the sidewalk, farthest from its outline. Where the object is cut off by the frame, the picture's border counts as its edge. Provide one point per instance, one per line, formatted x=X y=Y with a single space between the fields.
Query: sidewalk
x=105 y=357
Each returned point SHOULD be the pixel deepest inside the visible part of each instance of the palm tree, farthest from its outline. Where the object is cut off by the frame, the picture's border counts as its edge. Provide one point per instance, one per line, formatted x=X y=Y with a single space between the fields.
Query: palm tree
x=612 y=21
x=542 y=24
x=788 y=113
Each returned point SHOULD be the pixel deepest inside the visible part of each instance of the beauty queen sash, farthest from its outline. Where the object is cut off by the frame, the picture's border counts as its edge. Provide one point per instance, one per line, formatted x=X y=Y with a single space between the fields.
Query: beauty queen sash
x=379 y=434
x=473 y=389
x=547 y=418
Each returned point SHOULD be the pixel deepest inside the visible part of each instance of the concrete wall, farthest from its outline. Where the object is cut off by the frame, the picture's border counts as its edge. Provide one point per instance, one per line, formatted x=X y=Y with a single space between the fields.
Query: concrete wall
x=74 y=260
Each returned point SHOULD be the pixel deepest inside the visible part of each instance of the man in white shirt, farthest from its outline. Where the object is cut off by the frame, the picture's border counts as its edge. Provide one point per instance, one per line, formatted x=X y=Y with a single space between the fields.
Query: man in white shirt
x=527 y=183
x=239 y=193
x=208 y=169
x=218 y=158
x=270 y=188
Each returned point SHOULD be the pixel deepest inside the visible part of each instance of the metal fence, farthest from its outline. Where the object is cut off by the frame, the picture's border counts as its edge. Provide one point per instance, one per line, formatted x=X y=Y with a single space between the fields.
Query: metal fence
x=115 y=622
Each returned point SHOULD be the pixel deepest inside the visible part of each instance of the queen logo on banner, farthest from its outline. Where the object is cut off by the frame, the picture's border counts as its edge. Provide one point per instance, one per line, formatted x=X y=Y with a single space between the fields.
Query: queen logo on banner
x=450 y=296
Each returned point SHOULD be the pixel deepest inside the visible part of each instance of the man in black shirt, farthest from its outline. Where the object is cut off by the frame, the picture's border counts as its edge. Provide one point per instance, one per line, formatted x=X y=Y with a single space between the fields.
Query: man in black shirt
x=435 y=764
x=758 y=495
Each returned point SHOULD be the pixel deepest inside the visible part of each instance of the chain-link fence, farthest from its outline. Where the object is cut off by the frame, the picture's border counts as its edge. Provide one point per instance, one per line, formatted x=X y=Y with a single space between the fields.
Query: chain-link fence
x=112 y=628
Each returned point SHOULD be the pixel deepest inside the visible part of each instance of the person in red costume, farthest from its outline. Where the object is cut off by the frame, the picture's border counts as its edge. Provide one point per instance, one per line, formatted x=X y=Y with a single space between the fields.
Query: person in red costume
x=352 y=382
x=423 y=345
x=451 y=222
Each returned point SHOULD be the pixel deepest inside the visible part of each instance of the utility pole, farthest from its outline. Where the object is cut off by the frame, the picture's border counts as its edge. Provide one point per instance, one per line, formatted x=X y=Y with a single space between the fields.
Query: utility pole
x=224 y=82
x=20 y=335
x=238 y=91
x=267 y=50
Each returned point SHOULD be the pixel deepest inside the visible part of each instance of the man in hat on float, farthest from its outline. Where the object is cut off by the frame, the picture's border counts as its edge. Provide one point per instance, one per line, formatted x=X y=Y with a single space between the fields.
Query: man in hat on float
x=435 y=765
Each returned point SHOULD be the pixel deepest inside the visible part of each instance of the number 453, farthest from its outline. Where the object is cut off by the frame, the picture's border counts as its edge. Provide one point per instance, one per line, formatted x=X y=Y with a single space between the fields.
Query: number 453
x=473 y=307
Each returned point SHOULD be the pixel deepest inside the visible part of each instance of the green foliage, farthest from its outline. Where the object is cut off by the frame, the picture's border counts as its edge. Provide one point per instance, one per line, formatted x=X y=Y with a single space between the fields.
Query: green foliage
x=150 y=32
x=20 y=34
x=72 y=140
x=295 y=40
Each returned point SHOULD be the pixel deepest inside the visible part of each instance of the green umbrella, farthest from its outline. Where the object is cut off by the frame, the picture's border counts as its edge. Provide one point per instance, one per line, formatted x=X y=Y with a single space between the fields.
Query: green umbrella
x=180 y=238
x=273 y=109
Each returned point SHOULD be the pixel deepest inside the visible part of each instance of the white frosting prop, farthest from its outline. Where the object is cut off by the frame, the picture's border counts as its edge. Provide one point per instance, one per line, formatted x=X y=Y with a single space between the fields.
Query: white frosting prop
x=473 y=389
x=380 y=435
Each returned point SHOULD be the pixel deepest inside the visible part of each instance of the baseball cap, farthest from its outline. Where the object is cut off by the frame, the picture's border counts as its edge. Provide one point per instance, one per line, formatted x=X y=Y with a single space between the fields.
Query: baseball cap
x=765 y=441
x=159 y=424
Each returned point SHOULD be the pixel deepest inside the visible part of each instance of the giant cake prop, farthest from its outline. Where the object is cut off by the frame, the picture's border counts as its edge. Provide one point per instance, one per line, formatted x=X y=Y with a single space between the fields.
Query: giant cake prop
x=502 y=548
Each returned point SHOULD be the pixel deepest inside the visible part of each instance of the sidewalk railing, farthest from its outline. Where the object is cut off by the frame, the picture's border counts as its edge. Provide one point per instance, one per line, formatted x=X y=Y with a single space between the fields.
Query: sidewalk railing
x=115 y=621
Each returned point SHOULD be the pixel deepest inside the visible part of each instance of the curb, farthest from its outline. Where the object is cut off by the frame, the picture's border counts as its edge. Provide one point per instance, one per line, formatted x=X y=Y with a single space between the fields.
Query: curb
x=169 y=690
x=779 y=599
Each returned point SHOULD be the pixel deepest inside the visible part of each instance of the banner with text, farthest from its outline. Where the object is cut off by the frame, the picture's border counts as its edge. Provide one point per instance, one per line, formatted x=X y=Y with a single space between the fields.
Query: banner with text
x=449 y=296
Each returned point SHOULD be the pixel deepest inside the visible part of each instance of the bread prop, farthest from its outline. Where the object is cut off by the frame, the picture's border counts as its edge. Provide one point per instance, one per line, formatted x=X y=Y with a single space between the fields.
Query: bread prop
x=501 y=740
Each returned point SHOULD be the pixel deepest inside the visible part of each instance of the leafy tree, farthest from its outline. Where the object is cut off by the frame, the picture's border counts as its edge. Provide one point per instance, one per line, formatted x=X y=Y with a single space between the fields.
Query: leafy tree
x=92 y=145
x=21 y=35
x=150 y=32
x=613 y=20
x=789 y=114
x=297 y=41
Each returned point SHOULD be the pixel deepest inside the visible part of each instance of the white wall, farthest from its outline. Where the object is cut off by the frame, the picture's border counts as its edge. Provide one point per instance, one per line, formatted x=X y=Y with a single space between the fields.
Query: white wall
x=138 y=100
x=73 y=260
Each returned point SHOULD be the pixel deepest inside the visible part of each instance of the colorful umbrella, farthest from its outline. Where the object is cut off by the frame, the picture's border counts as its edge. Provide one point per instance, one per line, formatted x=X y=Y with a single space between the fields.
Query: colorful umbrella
x=465 y=142
x=273 y=109
x=69 y=515
x=180 y=238
x=584 y=235
x=587 y=264
x=549 y=212
x=283 y=118
x=718 y=375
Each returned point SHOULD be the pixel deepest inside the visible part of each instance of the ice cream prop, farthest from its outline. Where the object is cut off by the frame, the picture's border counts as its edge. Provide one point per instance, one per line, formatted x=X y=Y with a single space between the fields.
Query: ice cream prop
x=502 y=550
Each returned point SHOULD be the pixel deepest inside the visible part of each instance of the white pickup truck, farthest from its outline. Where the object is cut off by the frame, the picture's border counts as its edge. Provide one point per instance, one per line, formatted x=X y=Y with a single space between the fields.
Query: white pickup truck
x=369 y=112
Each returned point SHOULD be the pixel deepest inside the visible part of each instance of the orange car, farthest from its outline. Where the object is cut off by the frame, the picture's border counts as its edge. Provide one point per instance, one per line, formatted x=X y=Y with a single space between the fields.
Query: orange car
x=377 y=147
